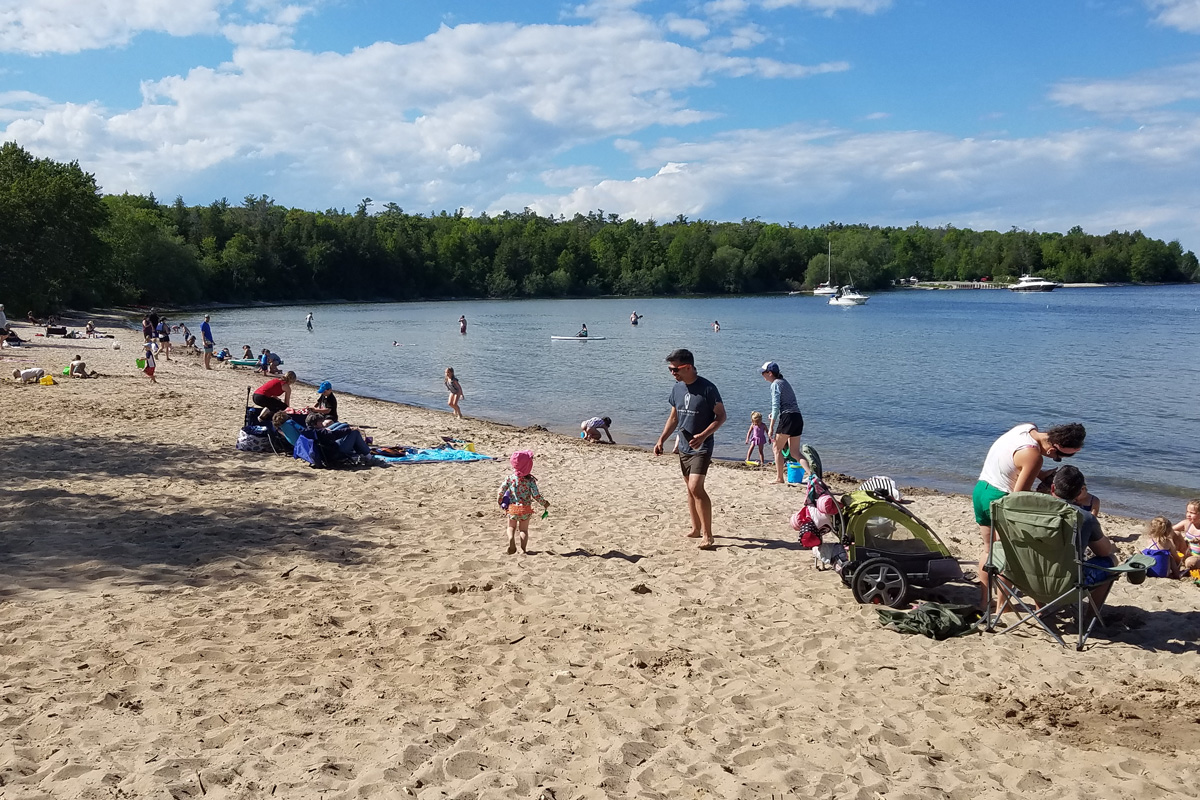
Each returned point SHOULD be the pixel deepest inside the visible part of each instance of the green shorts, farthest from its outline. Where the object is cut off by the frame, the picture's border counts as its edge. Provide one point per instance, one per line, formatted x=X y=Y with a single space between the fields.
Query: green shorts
x=981 y=501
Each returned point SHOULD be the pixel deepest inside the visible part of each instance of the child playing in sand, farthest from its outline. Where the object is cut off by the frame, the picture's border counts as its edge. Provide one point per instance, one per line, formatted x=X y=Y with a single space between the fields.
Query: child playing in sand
x=455 y=390
x=1164 y=546
x=1191 y=535
x=516 y=496
x=756 y=436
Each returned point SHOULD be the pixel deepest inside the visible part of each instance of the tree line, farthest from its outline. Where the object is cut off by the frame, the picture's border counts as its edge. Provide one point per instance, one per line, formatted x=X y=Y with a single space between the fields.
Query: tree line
x=65 y=244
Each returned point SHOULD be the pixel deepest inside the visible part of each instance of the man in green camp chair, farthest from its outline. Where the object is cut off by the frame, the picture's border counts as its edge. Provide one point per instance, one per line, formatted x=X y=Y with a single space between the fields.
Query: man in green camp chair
x=1068 y=485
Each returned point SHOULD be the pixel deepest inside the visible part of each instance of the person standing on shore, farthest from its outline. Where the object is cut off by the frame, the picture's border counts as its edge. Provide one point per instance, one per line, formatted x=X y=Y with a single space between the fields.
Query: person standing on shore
x=787 y=423
x=455 y=390
x=697 y=411
x=308 y=321
x=206 y=337
x=462 y=324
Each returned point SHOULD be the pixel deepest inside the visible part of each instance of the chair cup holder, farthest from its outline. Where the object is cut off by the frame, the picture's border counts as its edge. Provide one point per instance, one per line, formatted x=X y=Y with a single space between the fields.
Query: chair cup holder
x=1136 y=576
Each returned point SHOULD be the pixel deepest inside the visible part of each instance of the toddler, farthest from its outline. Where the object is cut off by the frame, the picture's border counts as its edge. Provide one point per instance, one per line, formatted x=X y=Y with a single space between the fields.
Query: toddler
x=1191 y=535
x=516 y=496
x=148 y=354
x=455 y=390
x=1163 y=545
x=756 y=436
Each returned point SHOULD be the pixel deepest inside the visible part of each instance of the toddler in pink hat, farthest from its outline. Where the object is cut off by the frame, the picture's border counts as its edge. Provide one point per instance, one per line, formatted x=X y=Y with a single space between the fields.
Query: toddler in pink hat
x=516 y=496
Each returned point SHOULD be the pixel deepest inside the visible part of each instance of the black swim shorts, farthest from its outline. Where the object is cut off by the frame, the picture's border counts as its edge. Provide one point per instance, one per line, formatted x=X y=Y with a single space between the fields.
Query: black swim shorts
x=694 y=463
x=791 y=423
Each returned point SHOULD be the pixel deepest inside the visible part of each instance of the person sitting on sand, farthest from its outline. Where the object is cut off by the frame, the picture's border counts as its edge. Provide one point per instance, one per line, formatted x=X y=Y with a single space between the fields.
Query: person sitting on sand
x=593 y=427
x=326 y=401
x=224 y=354
x=1189 y=529
x=78 y=369
x=90 y=329
x=274 y=395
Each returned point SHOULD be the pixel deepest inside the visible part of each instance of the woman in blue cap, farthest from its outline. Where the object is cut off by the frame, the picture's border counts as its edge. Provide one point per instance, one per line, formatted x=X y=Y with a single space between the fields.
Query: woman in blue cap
x=326 y=401
x=786 y=421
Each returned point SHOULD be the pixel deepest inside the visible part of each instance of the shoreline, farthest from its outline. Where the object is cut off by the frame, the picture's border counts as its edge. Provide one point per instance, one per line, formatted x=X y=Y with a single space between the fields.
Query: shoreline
x=183 y=619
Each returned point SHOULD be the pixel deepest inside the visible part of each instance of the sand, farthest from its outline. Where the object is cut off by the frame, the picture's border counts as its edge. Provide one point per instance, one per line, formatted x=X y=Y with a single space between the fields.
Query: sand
x=180 y=619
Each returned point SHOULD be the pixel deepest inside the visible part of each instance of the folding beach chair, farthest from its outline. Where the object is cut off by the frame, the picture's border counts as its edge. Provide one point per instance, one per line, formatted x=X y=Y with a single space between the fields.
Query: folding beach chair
x=1036 y=568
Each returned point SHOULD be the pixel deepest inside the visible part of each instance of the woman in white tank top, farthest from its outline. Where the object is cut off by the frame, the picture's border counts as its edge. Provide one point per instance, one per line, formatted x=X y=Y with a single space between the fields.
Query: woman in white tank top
x=1013 y=464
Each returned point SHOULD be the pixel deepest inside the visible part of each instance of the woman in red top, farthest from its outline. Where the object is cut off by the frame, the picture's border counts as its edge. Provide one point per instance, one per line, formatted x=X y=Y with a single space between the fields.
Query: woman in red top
x=274 y=395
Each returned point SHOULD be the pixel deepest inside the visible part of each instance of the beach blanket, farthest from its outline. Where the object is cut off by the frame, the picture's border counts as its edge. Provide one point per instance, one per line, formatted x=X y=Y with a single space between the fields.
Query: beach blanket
x=432 y=455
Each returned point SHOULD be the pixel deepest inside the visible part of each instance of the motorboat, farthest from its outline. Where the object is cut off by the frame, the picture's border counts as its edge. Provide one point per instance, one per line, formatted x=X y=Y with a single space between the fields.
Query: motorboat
x=848 y=296
x=1029 y=283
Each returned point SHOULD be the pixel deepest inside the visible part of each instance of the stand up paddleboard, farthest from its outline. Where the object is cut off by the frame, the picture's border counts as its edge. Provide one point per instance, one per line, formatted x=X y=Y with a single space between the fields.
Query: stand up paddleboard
x=578 y=338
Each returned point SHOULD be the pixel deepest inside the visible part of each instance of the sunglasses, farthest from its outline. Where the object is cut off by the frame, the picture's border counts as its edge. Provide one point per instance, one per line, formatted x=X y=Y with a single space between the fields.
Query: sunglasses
x=674 y=370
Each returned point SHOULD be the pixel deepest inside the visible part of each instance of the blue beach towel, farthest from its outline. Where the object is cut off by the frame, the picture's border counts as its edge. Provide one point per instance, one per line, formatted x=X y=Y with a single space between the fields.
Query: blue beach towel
x=434 y=455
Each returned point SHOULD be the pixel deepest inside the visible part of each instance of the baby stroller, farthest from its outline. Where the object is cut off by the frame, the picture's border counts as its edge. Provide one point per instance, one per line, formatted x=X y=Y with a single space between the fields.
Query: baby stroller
x=890 y=550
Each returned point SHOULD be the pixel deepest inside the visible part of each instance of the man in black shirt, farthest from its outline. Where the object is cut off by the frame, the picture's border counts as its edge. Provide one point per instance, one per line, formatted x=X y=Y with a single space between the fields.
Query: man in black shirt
x=697 y=411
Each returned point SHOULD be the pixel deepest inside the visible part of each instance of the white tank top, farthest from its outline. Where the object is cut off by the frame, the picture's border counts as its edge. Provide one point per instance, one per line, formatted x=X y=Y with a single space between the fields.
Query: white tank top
x=998 y=468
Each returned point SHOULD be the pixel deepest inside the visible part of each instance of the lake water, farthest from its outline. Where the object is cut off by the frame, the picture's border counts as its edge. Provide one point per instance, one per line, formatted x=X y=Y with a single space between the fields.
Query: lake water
x=915 y=384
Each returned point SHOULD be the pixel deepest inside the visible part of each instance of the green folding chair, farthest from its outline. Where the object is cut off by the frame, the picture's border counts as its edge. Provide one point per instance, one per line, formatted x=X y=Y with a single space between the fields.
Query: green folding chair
x=1035 y=566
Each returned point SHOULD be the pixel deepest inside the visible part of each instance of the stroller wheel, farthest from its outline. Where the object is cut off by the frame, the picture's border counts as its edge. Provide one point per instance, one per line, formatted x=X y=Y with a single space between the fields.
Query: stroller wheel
x=879 y=581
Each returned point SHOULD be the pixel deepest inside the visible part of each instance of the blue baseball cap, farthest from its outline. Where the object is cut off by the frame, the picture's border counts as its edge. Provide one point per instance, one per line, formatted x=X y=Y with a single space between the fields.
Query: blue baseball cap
x=770 y=366
x=324 y=387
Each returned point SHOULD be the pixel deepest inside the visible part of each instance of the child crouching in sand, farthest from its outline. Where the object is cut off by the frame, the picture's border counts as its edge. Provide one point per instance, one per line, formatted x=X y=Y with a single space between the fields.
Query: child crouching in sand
x=516 y=496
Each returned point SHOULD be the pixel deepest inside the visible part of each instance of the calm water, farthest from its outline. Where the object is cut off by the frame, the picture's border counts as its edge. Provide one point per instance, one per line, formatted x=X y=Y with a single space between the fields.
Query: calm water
x=916 y=384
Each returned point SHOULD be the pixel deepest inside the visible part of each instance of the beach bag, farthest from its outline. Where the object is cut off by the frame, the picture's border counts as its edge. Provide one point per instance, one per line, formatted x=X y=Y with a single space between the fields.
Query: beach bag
x=1162 y=562
x=47 y=381
x=249 y=442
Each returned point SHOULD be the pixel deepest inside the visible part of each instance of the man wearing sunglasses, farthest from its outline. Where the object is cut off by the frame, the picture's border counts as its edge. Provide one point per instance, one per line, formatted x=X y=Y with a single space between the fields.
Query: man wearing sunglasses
x=697 y=411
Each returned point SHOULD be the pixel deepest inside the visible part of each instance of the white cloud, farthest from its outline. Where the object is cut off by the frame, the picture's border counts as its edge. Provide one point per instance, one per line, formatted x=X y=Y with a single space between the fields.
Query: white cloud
x=1135 y=96
x=502 y=102
x=691 y=28
x=1102 y=179
x=37 y=27
x=877 y=115
x=1181 y=14
x=69 y=26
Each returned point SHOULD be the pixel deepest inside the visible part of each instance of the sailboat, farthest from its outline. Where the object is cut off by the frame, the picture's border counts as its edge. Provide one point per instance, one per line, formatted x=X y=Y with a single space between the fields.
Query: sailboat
x=827 y=289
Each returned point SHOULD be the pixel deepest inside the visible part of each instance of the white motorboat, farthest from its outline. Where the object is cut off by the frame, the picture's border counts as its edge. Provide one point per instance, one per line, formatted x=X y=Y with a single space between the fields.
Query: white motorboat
x=848 y=296
x=1029 y=283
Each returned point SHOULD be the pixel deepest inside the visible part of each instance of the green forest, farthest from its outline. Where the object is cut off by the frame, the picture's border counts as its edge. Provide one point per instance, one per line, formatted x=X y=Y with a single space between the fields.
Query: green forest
x=64 y=244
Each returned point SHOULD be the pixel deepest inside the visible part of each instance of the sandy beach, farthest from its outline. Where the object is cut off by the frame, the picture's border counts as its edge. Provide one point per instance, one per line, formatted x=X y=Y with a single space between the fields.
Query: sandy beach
x=180 y=619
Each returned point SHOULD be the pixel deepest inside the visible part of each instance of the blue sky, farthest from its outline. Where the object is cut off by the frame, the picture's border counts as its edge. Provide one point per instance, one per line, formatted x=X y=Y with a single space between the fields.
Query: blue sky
x=1027 y=113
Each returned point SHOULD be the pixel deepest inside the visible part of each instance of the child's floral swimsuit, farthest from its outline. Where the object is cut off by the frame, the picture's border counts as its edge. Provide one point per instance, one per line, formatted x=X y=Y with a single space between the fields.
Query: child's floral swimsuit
x=521 y=494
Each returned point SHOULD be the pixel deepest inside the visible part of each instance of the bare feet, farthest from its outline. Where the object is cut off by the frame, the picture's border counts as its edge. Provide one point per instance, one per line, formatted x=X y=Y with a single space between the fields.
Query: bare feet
x=707 y=543
x=778 y=481
x=694 y=535
x=512 y=547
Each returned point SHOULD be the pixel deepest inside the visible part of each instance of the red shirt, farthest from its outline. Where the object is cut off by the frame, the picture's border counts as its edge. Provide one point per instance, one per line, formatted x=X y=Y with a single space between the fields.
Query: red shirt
x=272 y=388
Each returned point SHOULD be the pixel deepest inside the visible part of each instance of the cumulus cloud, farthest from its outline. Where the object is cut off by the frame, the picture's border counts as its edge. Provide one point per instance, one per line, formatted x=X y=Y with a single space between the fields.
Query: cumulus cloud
x=1181 y=14
x=38 y=27
x=831 y=6
x=503 y=101
x=1105 y=178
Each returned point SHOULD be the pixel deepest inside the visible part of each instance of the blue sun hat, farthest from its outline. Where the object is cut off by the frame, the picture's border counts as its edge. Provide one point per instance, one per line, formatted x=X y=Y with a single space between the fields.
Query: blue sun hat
x=324 y=387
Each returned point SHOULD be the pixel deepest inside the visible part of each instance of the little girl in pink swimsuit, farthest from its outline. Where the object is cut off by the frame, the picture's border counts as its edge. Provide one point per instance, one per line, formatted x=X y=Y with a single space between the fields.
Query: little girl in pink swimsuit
x=516 y=496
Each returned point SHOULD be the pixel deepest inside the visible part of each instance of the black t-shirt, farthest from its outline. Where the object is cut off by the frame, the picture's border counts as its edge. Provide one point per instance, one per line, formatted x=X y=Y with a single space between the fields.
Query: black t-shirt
x=329 y=401
x=695 y=403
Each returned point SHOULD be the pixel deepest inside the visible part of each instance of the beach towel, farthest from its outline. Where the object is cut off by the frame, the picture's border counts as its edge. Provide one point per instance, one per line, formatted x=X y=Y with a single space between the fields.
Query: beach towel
x=431 y=455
